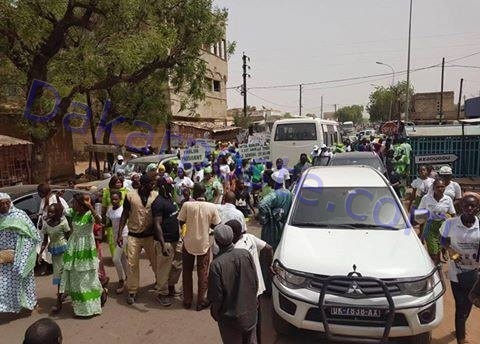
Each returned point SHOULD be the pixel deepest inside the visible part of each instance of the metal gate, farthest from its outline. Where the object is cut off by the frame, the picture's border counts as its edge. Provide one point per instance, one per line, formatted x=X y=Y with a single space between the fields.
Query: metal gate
x=466 y=148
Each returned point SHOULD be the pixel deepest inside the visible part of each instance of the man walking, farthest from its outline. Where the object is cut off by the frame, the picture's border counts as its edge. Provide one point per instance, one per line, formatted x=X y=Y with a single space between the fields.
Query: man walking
x=167 y=237
x=232 y=290
x=137 y=210
x=199 y=216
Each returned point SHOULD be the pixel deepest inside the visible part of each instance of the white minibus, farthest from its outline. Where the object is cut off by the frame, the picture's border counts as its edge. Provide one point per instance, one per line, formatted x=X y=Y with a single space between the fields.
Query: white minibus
x=292 y=137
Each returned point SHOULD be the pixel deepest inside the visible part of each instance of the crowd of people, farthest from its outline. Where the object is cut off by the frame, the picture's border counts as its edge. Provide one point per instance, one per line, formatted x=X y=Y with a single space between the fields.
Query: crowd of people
x=180 y=213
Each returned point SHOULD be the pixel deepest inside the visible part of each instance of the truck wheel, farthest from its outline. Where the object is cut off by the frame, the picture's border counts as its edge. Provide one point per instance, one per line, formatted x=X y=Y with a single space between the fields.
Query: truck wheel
x=281 y=326
x=423 y=338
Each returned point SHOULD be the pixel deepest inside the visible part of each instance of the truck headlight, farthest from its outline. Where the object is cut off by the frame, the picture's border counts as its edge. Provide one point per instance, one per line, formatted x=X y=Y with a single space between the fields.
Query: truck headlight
x=288 y=278
x=418 y=288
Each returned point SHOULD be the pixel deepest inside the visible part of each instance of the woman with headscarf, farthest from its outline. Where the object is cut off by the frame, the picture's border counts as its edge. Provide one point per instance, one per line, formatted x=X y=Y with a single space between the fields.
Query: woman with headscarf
x=18 y=241
x=80 y=271
x=181 y=182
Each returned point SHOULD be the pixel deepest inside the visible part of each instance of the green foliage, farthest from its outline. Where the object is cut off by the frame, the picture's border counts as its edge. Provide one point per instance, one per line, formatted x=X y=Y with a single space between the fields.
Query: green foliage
x=239 y=120
x=388 y=103
x=132 y=51
x=350 y=113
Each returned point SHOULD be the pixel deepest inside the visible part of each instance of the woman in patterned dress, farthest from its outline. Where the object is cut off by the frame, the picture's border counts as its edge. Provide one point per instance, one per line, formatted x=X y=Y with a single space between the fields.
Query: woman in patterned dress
x=18 y=241
x=80 y=271
x=56 y=228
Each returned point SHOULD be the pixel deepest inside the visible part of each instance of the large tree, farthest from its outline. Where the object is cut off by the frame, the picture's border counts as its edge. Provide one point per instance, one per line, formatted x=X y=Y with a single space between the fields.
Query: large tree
x=388 y=103
x=129 y=50
x=350 y=113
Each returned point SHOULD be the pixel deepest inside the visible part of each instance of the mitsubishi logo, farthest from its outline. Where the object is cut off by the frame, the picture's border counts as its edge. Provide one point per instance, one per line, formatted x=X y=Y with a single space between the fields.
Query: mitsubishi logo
x=354 y=289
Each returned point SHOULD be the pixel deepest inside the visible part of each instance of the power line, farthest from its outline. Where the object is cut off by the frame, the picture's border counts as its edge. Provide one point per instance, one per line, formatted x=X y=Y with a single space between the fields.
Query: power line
x=268 y=101
x=356 y=78
x=462 y=66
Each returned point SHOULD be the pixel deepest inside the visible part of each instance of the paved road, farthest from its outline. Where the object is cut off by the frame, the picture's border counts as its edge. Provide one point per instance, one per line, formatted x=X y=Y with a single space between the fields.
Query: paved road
x=148 y=322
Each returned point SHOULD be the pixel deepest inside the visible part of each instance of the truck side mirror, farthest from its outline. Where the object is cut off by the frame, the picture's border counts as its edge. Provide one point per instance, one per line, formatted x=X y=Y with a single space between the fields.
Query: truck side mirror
x=421 y=216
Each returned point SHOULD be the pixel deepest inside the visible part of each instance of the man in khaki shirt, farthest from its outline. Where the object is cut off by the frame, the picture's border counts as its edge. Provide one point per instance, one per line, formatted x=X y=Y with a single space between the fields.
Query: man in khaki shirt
x=199 y=216
x=137 y=210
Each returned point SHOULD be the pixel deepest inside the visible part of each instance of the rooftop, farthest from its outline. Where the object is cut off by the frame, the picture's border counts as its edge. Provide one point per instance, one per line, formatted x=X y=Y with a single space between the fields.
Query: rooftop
x=343 y=176
x=210 y=126
x=12 y=141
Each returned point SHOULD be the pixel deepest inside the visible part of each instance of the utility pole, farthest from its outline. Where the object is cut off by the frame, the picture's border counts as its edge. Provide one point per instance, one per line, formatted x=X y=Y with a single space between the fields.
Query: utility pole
x=460 y=99
x=300 y=100
x=441 y=90
x=407 y=103
x=321 y=108
x=245 y=68
x=335 y=106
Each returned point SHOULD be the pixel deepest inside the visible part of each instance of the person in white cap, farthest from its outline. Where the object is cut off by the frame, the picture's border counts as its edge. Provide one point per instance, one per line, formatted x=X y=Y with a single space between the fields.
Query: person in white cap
x=452 y=189
x=232 y=290
x=119 y=165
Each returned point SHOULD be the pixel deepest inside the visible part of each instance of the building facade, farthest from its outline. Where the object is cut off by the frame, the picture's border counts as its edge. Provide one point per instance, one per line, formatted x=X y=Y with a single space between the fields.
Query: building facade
x=215 y=103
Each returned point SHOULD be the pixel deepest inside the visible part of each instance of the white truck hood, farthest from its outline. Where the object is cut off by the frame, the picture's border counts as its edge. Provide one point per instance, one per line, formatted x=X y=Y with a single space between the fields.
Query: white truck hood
x=376 y=253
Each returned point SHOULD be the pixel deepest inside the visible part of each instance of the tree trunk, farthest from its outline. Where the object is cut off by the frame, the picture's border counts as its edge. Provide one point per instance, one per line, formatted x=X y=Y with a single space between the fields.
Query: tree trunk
x=92 y=131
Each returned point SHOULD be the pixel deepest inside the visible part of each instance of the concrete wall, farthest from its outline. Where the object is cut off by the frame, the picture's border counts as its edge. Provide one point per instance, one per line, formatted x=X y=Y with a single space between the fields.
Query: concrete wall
x=121 y=133
x=425 y=106
x=51 y=159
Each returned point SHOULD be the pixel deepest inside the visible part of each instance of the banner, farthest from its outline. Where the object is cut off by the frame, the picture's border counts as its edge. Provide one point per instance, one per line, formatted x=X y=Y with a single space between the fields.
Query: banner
x=254 y=151
x=193 y=155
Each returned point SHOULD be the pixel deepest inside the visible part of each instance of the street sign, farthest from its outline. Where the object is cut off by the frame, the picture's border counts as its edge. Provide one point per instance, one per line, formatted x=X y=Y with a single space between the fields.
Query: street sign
x=435 y=159
x=193 y=155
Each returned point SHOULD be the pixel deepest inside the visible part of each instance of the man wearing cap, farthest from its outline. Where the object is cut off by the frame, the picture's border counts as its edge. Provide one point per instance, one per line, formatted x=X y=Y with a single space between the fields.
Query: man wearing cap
x=452 y=189
x=119 y=165
x=232 y=290
x=198 y=216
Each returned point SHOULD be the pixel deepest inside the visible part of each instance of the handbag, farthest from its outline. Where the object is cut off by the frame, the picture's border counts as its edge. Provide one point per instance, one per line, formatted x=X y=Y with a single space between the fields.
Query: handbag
x=467 y=279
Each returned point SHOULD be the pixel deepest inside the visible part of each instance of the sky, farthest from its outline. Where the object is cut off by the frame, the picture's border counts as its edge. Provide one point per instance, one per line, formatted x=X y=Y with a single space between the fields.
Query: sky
x=290 y=42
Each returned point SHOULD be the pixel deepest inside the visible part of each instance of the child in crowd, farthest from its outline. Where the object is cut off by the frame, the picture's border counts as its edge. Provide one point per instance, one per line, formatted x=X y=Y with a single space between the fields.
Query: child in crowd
x=43 y=331
x=56 y=229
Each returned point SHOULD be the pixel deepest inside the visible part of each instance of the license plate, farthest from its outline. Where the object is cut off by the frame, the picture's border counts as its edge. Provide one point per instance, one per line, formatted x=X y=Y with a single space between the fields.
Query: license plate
x=355 y=312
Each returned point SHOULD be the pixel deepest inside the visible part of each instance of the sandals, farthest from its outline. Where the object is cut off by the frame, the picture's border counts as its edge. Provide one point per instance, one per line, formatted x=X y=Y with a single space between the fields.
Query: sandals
x=120 y=287
x=104 y=297
x=58 y=307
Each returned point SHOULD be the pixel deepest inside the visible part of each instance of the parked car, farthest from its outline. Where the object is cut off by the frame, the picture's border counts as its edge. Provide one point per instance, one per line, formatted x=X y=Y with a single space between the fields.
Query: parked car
x=25 y=197
x=350 y=264
x=354 y=158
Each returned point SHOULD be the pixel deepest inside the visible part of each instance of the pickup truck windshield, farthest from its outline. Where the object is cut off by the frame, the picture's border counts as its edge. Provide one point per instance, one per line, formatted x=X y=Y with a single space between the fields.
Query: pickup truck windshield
x=347 y=208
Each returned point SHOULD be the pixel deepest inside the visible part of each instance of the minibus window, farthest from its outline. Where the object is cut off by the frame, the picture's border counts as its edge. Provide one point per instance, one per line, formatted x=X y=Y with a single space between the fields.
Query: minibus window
x=296 y=132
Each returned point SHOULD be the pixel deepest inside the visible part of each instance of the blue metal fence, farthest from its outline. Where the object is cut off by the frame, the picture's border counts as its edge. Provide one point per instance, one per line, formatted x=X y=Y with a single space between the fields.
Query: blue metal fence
x=466 y=148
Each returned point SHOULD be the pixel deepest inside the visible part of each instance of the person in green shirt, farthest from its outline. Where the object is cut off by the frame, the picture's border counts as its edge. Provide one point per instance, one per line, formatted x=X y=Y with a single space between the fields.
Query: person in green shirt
x=213 y=186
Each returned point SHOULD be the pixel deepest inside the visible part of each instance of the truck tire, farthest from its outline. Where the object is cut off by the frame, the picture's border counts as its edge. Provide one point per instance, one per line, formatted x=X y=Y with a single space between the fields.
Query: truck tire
x=423 y=338
x=281 y=326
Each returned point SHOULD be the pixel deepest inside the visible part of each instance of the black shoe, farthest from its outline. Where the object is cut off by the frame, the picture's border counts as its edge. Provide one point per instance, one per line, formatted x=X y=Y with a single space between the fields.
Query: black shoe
x=172 y=292
x=203 y=305
x=131 y=299
x=164 y=300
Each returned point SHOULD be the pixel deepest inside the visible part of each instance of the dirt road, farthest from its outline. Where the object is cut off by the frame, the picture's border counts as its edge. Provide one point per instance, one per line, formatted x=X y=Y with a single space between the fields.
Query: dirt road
x=148 y=322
